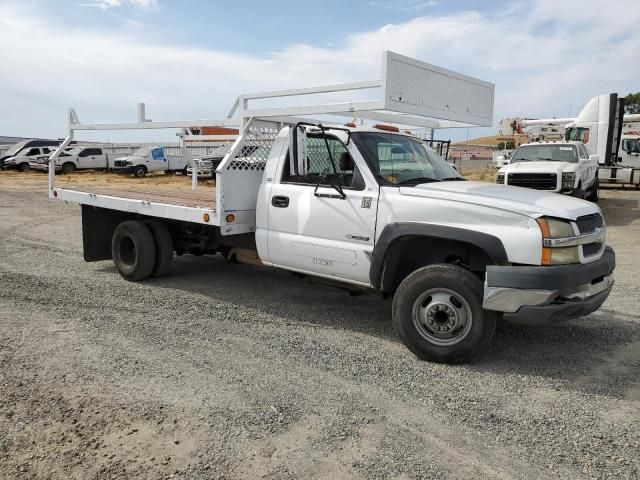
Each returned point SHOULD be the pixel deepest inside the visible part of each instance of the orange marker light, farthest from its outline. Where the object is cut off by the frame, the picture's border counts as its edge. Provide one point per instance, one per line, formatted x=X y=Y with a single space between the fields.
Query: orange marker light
x=545 y=258
x=388 y=128
x=205 y=217
x=230 y=218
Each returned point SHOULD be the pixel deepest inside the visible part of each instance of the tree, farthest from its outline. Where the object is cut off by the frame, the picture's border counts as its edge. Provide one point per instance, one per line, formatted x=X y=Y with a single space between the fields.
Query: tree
x=632 y=103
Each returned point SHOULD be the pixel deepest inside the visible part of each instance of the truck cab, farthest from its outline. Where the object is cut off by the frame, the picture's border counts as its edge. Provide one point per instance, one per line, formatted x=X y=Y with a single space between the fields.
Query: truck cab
x=561 y=167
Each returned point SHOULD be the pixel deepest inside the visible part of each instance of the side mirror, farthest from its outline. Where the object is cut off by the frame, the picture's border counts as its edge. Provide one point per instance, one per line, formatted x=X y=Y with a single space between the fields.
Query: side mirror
x=298 y=151
x=594 y=158
x=501 y=158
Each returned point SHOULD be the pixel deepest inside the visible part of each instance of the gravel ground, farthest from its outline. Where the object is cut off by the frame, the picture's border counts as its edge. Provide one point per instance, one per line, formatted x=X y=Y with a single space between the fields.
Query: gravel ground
x=228 y=371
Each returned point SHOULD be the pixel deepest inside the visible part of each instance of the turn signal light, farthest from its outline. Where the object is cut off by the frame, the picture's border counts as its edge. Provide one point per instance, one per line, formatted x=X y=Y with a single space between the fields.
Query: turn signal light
x=230 y=218
x=205 y=217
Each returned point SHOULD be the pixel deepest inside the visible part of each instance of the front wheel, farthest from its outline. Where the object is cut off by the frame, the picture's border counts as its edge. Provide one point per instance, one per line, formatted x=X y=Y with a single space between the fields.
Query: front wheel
x=437 y=313
x=23 y=167
x=68 y=168
x=594 y=194
x=140 y=171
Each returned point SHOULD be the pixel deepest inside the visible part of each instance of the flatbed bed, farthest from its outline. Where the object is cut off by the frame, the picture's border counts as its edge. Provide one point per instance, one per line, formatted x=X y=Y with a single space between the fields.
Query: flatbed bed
x=184 y=204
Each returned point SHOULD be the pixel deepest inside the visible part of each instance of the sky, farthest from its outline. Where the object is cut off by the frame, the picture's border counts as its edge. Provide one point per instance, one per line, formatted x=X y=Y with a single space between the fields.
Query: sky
x=190 y=59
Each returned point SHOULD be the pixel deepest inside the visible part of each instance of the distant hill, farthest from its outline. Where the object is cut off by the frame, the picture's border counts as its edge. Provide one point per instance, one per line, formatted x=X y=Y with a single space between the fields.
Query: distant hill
x=492 y=140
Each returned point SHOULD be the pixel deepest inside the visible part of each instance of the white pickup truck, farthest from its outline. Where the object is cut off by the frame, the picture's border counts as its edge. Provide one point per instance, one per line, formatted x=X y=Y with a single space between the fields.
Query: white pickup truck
x=150 y=159
x=561 y=167
x=74 y=158
x=371 y=209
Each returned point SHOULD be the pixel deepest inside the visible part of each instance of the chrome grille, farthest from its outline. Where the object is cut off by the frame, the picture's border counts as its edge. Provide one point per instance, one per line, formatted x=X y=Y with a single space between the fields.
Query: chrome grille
x=589 y=223
x=119 y=163
x=537 y=181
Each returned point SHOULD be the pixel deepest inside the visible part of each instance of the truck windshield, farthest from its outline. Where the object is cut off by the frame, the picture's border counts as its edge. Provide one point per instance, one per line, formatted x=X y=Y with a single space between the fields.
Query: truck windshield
x=545 y=153
x=631 y=145
x=577 y=134
x=400 y=160
x=142 y=151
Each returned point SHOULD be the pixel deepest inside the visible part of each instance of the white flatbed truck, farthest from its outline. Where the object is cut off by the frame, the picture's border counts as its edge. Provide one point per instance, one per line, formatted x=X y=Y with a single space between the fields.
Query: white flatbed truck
x=369 y=208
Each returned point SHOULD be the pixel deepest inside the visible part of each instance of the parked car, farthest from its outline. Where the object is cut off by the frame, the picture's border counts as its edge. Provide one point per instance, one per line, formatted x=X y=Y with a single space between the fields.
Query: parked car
x=20 y=149
x=26 y=157
x=562 y=167
x=150 y=159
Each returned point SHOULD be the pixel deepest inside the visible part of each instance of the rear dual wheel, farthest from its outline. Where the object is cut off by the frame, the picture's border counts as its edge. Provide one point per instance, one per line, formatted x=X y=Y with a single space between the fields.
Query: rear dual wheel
x=142 y=249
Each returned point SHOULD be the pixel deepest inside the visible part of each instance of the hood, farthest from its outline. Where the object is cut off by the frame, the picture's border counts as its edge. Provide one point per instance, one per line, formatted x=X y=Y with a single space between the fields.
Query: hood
x=524 y=201
x=131 y=158
x=539 y=167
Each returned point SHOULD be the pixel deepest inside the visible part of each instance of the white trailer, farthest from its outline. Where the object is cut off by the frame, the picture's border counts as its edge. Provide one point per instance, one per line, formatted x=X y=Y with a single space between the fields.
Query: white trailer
x=371 y=209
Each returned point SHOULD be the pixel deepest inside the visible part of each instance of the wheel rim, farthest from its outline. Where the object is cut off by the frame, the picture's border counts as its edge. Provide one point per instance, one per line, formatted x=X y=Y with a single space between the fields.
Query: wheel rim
x=127 y=252
x=442 y=316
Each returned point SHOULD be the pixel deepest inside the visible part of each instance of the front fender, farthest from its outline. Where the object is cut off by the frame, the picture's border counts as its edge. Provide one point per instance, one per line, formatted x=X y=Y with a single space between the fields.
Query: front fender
x=491 y=245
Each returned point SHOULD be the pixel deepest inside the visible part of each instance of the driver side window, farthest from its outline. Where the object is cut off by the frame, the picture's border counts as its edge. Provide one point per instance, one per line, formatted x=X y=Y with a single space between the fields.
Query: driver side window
x=320 y=168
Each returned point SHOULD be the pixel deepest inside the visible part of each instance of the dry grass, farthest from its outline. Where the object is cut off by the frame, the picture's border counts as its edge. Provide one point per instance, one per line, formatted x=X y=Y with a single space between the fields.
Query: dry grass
x=18 y=179
x=480 y=174
x=92 y=178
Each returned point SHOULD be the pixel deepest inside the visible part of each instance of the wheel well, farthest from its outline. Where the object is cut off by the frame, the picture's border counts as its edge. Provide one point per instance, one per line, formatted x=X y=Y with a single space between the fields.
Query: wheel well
x=407 y=254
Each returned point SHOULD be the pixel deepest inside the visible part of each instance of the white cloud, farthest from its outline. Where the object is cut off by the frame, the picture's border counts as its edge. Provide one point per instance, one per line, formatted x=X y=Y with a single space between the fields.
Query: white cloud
x=542 y=55
x=109 y=4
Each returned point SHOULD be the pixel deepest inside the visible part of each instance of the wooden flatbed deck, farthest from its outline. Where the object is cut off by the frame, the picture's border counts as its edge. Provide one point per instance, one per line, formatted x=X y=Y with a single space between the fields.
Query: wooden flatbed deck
x=203 y=197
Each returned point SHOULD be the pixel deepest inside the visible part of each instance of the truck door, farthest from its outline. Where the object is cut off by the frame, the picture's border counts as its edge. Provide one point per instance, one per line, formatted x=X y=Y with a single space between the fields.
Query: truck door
x=158 y=160
x=315 y=229
x=89 y=158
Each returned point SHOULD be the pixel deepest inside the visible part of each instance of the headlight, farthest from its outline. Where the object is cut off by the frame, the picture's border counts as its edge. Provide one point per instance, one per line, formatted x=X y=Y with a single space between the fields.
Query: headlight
x=553 y=228
x=568 y=180
x=500 y=178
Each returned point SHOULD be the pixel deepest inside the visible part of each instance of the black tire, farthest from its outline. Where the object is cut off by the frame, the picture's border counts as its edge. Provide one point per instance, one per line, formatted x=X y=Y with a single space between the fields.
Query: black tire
x=594 y=192
x=23 y=167
x=133 y=250
x=184 y=171
x=68 y=168
x=164 y=247
x=139 y=171
x=415 y=305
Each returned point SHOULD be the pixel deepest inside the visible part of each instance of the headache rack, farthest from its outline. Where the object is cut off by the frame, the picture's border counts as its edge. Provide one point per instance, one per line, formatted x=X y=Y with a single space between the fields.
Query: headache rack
x=409 y=93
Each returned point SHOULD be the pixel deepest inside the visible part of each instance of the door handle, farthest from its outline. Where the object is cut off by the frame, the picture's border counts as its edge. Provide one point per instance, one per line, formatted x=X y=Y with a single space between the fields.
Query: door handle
x=280 y=201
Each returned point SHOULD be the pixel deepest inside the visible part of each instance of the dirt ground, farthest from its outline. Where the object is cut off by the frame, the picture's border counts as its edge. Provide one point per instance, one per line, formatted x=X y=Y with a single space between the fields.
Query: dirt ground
x=229 y=371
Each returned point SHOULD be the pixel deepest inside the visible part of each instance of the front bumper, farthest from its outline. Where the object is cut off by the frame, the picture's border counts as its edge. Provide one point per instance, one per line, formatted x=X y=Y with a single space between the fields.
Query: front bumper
x=206 y=173
x=549 y=294
x=123 y=170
